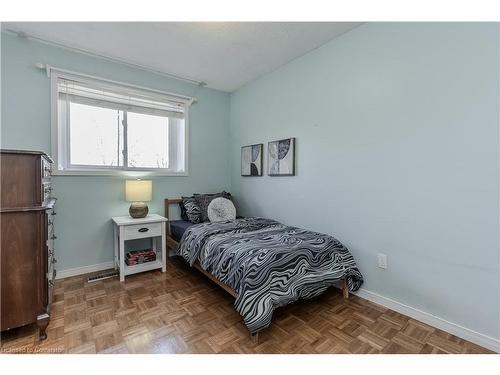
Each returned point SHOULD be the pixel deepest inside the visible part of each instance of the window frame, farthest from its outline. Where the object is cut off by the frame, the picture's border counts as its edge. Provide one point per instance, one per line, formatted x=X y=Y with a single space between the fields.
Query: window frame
x=60 y=141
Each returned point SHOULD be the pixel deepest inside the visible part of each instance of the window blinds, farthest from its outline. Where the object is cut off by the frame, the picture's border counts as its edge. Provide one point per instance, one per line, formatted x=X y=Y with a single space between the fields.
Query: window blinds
x=102 y=94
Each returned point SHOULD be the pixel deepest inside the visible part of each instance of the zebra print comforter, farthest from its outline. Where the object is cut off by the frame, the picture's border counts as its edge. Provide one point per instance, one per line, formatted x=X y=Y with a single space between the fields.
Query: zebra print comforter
x=268 y=264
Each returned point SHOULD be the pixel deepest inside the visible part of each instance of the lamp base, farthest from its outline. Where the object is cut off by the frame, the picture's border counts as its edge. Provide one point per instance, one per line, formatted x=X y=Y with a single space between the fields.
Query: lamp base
x=138 y=210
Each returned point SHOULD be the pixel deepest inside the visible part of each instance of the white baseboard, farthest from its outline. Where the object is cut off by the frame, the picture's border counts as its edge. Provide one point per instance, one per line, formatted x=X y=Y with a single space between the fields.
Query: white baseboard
x=432 y=320
x=83 y=270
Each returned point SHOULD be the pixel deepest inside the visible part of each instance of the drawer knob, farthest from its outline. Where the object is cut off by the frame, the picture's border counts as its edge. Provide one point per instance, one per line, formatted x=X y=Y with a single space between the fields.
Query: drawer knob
x=143 y=230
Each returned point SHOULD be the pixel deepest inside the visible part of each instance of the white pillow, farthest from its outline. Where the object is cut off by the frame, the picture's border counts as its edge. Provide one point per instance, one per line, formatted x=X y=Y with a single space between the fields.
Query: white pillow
x=221 y=209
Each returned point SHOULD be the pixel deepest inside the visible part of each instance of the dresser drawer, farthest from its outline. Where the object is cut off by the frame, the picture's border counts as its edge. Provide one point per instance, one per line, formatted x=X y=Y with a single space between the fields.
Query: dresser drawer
x=51 y=234
x=51 y=268
x=46 y=192
x=46 y=168
x=142 y=231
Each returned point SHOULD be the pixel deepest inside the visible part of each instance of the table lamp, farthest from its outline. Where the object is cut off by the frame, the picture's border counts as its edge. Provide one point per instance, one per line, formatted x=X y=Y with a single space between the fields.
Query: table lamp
x=138 y=192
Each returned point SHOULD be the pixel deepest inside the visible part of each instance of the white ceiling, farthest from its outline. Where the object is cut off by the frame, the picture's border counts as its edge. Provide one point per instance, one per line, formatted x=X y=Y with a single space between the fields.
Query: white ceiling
x=224 y=55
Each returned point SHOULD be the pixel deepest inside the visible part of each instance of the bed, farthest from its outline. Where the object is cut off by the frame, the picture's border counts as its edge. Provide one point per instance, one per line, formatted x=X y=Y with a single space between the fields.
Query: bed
x=264 y=264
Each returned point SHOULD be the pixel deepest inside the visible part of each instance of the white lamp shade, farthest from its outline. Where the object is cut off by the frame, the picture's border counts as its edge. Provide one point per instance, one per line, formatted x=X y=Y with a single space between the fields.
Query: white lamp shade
x=138 y=190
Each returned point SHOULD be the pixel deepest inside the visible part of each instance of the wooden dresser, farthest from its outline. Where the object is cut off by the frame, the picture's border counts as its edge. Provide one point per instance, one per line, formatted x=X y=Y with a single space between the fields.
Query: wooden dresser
x=27 y=239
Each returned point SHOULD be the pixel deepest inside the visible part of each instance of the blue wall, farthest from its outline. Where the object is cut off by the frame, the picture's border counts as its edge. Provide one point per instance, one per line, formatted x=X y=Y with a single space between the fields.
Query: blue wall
x=397 y=152
x=85 y=204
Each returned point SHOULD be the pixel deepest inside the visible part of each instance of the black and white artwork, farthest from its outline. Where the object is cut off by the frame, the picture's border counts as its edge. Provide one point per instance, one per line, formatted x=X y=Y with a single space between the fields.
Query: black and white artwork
x=251 y=160
x=281 y=159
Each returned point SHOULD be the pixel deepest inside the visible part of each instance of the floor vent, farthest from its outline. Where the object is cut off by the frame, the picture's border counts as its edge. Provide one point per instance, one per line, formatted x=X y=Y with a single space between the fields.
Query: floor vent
x=102 y=276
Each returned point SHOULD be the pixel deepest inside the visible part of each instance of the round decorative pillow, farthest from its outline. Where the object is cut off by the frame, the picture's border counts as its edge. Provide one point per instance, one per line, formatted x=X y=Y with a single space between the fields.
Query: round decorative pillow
x=221 y=209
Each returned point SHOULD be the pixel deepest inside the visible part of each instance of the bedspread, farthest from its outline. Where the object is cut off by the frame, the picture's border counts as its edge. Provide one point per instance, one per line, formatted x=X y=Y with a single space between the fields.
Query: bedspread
x=268 y=264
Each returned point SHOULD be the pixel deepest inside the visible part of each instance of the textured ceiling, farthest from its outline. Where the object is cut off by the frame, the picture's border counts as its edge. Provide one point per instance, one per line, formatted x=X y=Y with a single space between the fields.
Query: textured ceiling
x=225 y=55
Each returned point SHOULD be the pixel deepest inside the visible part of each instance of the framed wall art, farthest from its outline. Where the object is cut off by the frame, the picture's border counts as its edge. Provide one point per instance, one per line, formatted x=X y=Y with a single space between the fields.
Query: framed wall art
x=251 y=160
x=281 y=157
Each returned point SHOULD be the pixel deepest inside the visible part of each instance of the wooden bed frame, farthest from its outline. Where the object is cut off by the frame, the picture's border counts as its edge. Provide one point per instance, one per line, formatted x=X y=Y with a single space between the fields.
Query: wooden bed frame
x=171 y=243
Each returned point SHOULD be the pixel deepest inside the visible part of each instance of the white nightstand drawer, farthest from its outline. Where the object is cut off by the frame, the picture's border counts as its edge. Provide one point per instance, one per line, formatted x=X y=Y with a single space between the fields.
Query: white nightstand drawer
x=142 y=230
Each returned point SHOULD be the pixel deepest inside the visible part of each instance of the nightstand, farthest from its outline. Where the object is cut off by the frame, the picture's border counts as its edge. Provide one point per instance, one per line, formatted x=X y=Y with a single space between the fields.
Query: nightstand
x=127 y=228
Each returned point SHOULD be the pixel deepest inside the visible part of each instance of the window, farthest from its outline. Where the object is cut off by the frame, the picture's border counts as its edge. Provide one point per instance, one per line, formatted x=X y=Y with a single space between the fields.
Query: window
x=102 y=127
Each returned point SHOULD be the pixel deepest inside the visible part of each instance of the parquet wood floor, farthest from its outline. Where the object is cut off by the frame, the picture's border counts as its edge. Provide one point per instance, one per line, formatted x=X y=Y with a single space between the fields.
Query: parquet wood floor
x=181 y=311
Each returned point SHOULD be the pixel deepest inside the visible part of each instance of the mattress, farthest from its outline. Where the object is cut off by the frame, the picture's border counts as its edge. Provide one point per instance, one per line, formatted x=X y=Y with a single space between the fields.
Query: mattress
x=178 y=227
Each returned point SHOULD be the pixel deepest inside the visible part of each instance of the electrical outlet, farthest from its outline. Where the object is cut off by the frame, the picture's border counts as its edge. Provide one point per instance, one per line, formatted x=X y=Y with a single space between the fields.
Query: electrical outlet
x=382 y=260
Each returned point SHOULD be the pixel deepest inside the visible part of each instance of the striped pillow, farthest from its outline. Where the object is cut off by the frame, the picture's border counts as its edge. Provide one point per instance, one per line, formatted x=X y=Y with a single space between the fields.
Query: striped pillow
x=193 y=212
